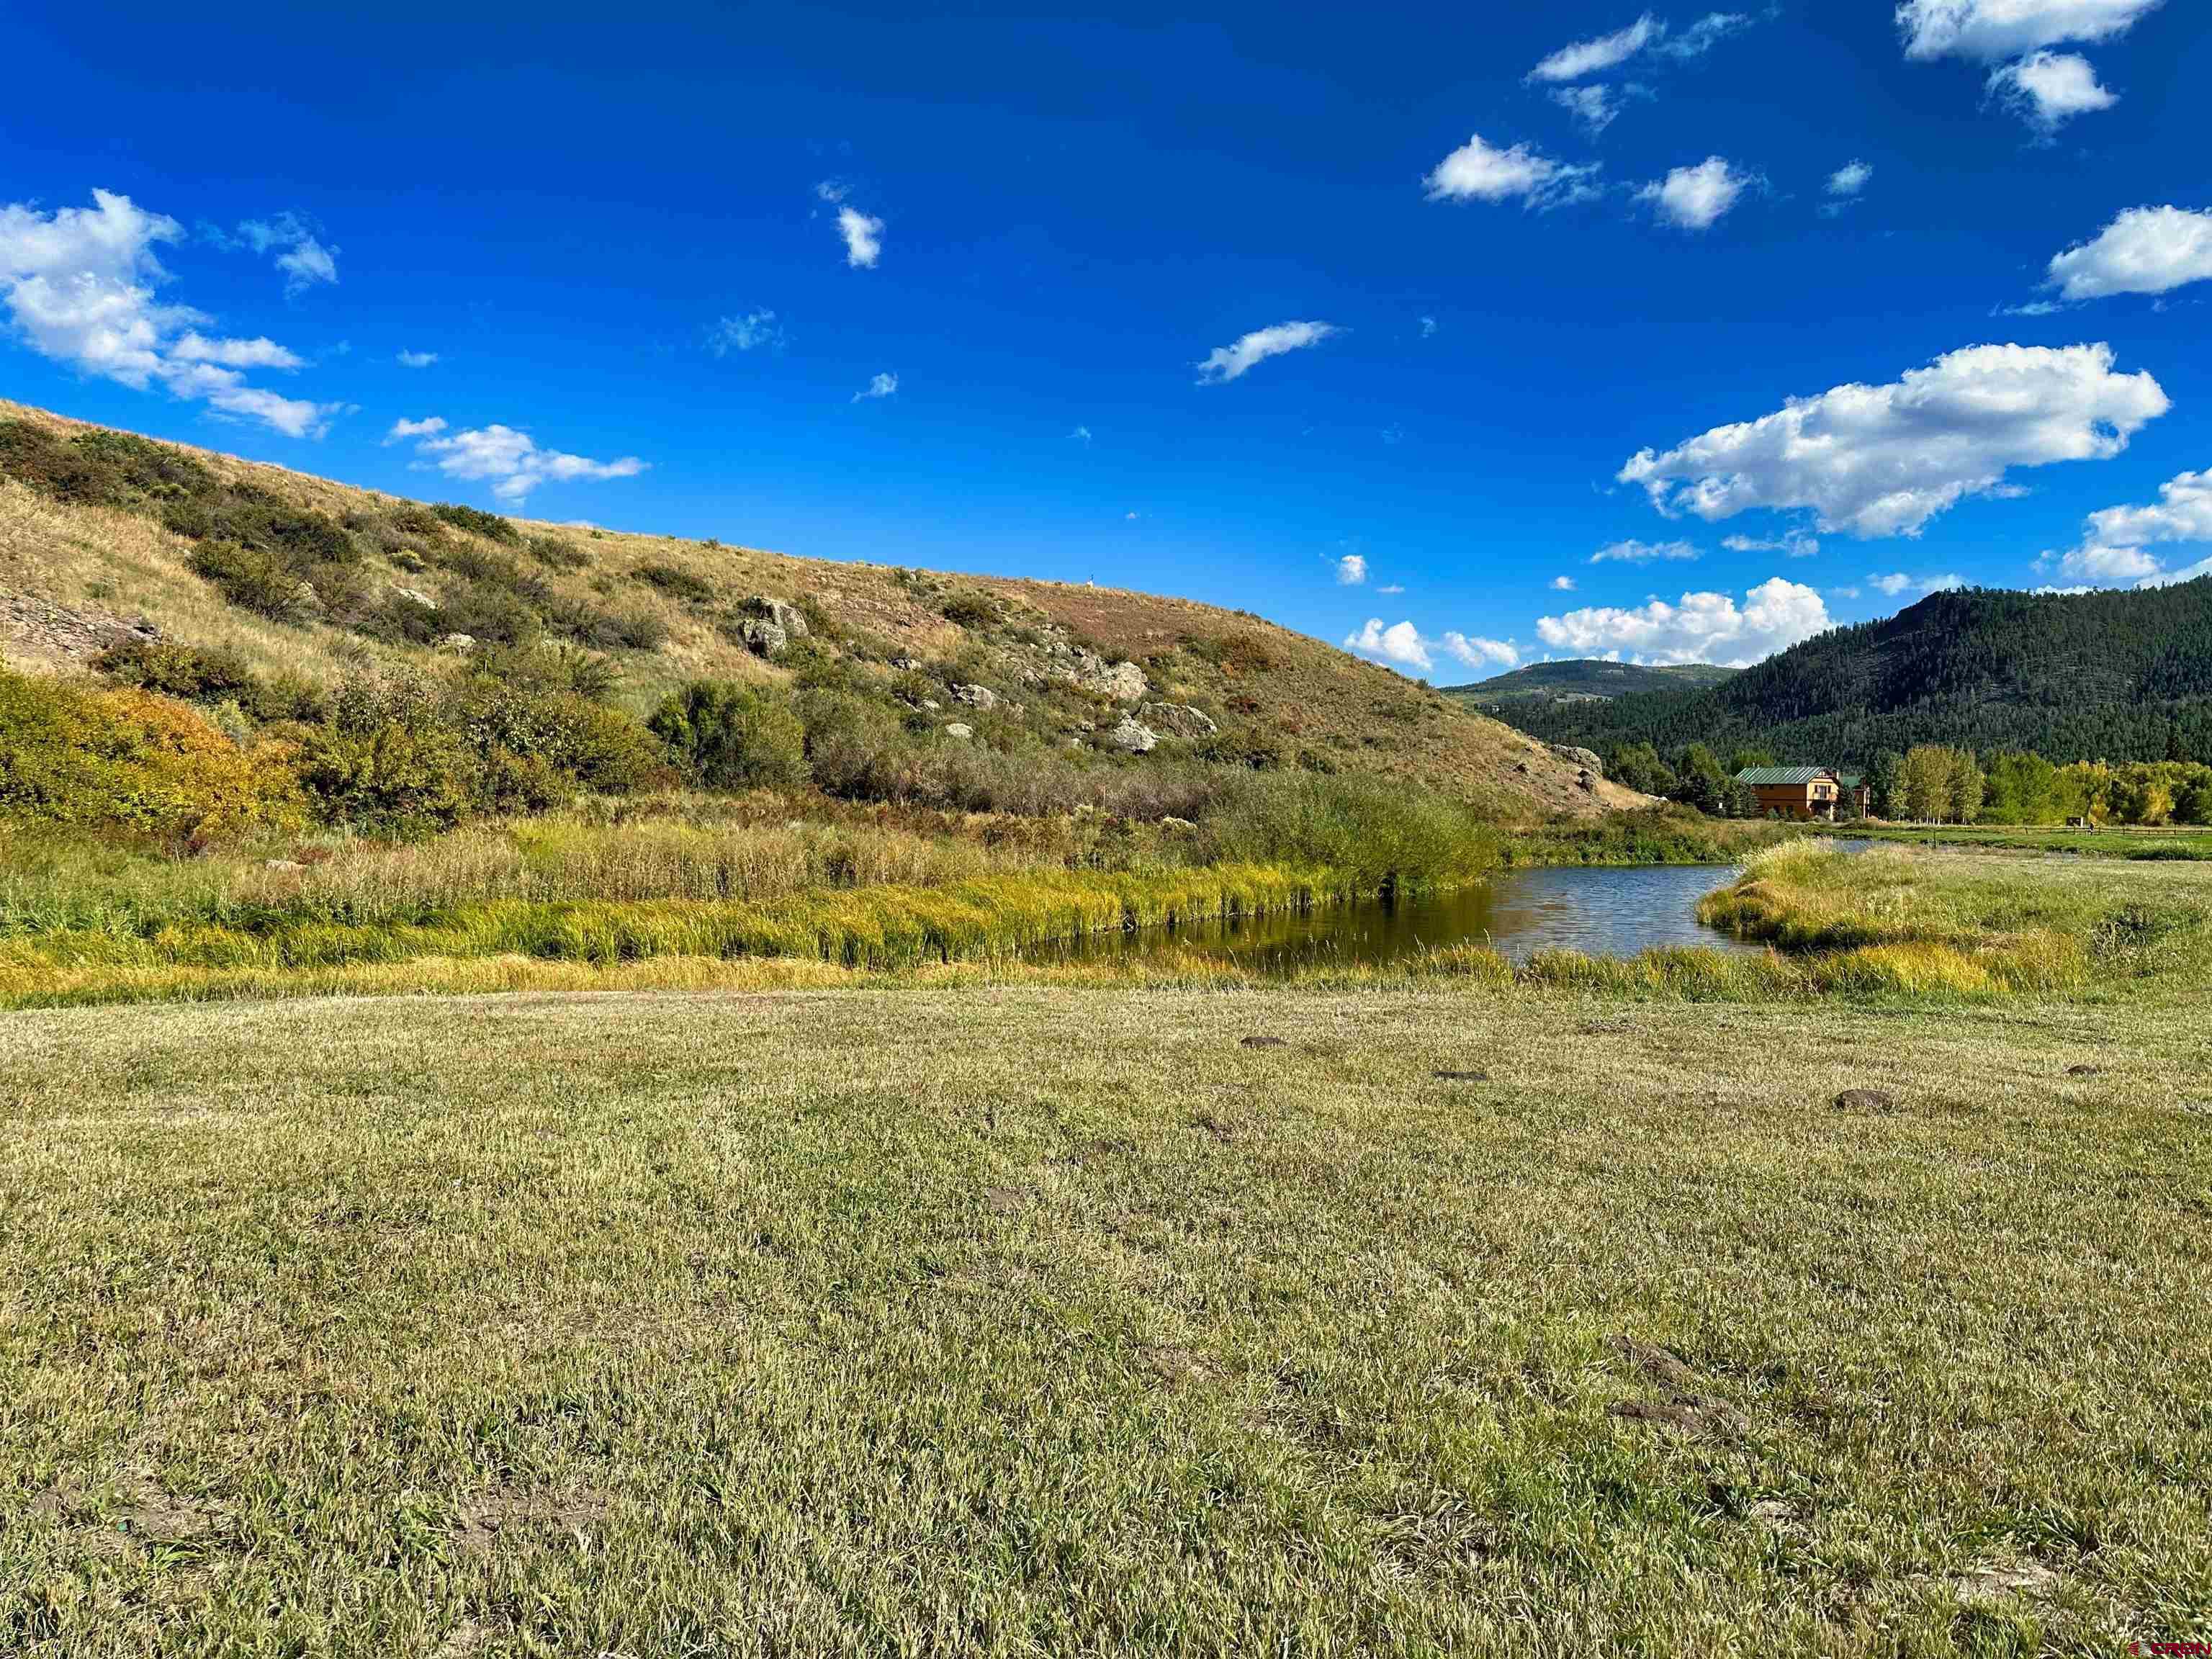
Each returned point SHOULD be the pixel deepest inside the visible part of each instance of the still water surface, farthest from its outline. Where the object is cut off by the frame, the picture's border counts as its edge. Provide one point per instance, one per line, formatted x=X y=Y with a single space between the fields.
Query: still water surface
x=1612 y=913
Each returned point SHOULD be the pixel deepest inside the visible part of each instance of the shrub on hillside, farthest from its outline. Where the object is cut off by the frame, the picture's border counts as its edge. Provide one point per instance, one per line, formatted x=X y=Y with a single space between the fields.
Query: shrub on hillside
x=973 y=609
x=194 y=673
x=211 y=674
x=727 y=736
x=253 y=579
x=96 y=468
x=534 y=749
x=854 y=748
x=476 y=521
x=127 y=760
x=485 y=610
x=677 y=582
x=559 y=554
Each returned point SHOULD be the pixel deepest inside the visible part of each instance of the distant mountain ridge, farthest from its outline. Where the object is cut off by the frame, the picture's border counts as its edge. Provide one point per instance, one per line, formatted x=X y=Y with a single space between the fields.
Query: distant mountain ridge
x=1586 y=677
x=2117 y=676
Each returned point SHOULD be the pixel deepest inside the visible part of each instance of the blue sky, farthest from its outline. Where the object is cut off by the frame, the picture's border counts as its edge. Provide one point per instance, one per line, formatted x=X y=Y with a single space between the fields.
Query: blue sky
x=1384 y=324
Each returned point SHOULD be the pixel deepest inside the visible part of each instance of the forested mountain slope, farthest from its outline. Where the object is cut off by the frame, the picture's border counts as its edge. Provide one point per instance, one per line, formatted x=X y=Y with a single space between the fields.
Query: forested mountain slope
x=2113 y=676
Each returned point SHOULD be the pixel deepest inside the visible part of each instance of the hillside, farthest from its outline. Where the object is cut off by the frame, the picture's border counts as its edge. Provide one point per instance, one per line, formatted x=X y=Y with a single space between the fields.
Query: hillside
x=105 y=536
x=1585 y=679
x=2109 y=675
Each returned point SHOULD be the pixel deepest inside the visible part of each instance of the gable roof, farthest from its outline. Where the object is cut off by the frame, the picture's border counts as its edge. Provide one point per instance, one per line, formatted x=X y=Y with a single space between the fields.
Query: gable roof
x=1774 y=776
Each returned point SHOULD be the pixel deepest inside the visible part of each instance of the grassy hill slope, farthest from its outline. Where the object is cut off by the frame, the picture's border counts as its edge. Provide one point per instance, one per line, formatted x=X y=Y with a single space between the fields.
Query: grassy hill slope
x=103 y=536
x=2109 y=675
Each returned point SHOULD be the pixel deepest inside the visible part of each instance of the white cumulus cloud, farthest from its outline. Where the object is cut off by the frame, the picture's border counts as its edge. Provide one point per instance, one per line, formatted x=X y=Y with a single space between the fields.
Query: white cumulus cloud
x=1883 y=460
x=1850 y=178
x=403 y=429
x=864 y=237
x=2113 y=551
x=1477 y=171
x=79 y=286
x=2146 y=250
x=1401 y=643
x=1403 y=646
x=1563 y=584
x=1350 y=570
x=1588 y=58
x=1477 y=652
x=507 y=459
x=1703 y=628
x=1989 y=30
x=881 y=385
x=1227 y=362
x=1695 y=198
x=1896 y=582
x=2050 y=89
x=863 y=232
x=416 y=359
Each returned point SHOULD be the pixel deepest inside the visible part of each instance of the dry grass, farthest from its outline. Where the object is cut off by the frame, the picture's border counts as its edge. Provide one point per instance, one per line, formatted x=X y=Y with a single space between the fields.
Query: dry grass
x=1307 y=697
x=1021 y=1319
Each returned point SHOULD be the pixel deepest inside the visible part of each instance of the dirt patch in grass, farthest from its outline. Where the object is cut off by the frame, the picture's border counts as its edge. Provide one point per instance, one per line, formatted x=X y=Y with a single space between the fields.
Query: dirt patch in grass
x=511 y=1518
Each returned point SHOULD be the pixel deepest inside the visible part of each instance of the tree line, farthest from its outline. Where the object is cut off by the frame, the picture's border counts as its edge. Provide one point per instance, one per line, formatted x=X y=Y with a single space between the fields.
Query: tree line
x=1943 y=783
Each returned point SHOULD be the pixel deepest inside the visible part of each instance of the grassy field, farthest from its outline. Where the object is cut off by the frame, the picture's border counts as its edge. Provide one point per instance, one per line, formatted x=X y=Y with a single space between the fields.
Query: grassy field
x=1440 y=1310
x=1025 y=1320
x=2175 y=842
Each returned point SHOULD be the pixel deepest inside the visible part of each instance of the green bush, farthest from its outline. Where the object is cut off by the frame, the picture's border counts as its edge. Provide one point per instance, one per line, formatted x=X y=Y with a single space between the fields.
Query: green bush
x=98 y=468
x=535 y=749
x=677 y=582
x=641 y=630
x=727 y=736
x=548 y=667
x=128 y=760
x=254 y=581
x=560 y=554
x=484 y=610
x=476 y=521
x=854 y=747
x=195 y=673
x=385 y=761
x=973 y=609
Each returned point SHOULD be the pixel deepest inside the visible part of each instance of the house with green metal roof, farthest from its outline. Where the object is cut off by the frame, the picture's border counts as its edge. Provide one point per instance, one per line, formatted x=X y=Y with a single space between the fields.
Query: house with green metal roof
x=1795 y=792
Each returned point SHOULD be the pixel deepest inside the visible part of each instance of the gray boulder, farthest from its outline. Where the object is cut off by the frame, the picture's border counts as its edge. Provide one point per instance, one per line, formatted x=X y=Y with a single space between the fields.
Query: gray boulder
x=769 y=625
x=959 y=729
x=1585 y=758
x=1124 y=682
x=1133 y=736
x=1177 y=720
x=975 y=696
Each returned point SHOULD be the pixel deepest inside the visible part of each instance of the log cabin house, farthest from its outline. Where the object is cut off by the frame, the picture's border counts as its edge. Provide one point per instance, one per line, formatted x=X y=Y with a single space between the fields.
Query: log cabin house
x=1795 y=792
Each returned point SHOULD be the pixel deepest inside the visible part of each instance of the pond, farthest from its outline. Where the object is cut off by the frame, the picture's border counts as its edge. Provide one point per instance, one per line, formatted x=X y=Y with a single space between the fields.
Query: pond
x=1599 y=912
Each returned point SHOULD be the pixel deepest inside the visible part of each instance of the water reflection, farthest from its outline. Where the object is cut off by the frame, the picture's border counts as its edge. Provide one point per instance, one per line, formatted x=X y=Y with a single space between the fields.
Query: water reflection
x=1615 y=913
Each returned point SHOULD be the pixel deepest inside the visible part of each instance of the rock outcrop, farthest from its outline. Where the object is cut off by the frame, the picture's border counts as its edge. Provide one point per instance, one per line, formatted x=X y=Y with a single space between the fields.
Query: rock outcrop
x=1177 y=720
x=1133 y=736
x=770 y=625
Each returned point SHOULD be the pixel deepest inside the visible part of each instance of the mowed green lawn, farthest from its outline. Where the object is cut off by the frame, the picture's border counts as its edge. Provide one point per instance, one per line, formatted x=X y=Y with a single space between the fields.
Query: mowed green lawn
x=1034 y=1321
